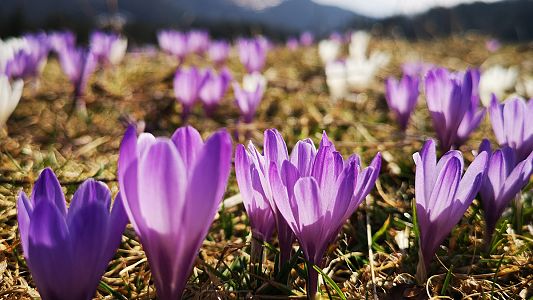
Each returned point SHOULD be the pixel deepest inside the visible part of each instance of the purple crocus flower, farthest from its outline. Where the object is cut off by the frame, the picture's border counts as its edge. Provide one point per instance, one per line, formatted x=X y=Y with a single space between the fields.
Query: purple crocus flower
x=416 y=68
x=512 y=123
x=60 y=40
x=292 y=43
x=171 y=190
x=442 y=196
x=316 y=192
x=474 y=115
x=493 y=45
x=307 y=39
x=187 y=85
x=219 y=51
x=173 y=42
x=503 y=181
x=402 y=97
x=449 y=99
x=29 y=61
x=197 y=41
x=107 y=48
x=214 y=88
x=78 y=64
x=249 y=96
x=58 y=242
x=252 y=171
x=252 y=53
x=255 y=191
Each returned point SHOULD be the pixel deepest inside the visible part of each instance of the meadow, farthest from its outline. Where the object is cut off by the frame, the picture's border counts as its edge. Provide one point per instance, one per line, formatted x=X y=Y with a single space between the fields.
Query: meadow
x=374 y=257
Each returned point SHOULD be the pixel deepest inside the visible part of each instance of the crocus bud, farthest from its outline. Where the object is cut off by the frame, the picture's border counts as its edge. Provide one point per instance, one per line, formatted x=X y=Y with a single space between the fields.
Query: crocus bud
x=512 y=124
x=68 y=250
x=173 y=42
x=187 y=85
x=504 y=179
x=214 y=88
x=249 y=96
x=172 y=189
x=219 y=51
x=401 y=97
x=442 y=194
x=252 y=53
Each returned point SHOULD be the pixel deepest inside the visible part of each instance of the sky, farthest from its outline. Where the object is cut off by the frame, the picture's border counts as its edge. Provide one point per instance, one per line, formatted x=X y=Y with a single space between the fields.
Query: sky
x=383 y=8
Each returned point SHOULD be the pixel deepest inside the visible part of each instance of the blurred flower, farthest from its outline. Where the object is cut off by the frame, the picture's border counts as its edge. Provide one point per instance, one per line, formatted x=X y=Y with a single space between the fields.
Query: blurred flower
x=450 y=102
x=525 y=87
x=335 y=36
x=503 y=181
x=68 y=250
x=512 y=123
x=250 y=95
x=306 y=39
x=188 y=83
x=442 y=196
x=8 y=48
x=9 y=97
x=292 y=43
x=328 y=50
x=24 y=58
x=361 y=73
x=316 y=192
x=78 y=64
x=493 y=45
x=252 y=172
x=252 y=53
x=171 y=190
x=60 y=40
x=336 y=79
x=219 y=51
x=497 y=80
x=416 y=68
x=173 y=42
x=214 y=88
x=108 y=48
x=401 y=97
x=197 y=41
x=358 y=45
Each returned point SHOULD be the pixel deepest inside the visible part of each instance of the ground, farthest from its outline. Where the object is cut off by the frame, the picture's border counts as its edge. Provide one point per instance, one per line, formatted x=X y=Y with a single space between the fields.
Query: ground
x=43 y=133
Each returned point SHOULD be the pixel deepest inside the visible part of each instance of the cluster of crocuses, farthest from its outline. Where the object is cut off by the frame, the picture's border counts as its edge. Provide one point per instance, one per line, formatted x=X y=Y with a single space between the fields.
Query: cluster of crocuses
x=357 y=71
x=171 y=188
x=306 y=195
x=180 y=44
x=78 y=63
x=192 y=84
x=453 y=102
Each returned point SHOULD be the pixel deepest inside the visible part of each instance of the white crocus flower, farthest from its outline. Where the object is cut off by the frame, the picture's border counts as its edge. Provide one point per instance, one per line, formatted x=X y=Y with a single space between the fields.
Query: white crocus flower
x=9 y=97
x=328 y=50
x=250 y=82
x=118 y=50
x=497 y=80
x=359 y=45
x=360 y=73
x=336 y=79
x=402 y=238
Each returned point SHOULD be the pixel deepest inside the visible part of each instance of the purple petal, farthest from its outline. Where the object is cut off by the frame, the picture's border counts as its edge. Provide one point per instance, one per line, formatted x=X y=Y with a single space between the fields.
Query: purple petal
x=47 y=188
x=189 y=143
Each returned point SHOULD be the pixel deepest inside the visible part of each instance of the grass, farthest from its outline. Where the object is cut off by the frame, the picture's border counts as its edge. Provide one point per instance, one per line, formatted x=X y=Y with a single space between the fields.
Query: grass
x=41 y=134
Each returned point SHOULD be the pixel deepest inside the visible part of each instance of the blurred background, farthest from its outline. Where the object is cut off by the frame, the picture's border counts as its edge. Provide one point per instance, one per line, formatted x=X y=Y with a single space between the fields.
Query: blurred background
x=509 y=20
